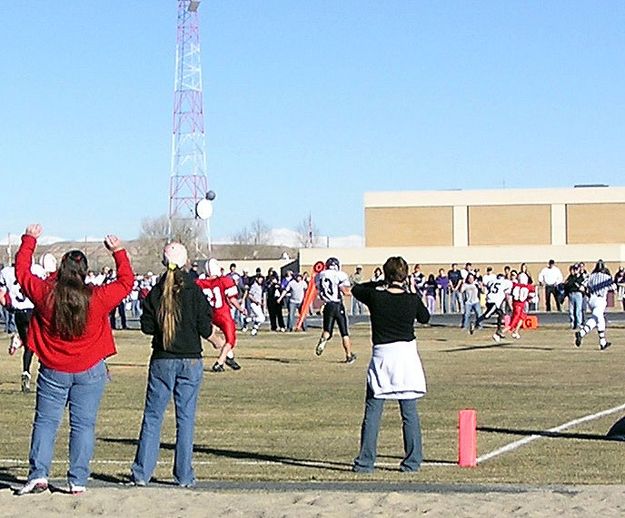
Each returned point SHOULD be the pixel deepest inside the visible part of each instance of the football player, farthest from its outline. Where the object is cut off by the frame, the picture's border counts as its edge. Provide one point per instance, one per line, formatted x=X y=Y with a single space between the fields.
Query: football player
x=495 y=298
x=222 y=295
x=332 y=284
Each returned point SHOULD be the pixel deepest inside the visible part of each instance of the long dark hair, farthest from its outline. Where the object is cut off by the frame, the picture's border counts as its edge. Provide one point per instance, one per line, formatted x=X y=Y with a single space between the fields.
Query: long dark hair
x=70 y=296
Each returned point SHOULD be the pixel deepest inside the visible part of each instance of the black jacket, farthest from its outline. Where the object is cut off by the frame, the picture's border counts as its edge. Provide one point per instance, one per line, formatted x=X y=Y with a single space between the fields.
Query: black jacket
x=195 y=322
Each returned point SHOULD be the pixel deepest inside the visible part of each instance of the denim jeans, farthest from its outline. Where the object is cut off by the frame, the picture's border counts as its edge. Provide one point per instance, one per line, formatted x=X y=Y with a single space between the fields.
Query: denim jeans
x=181 y=377
x=456 y=301
x=576 y=302
x=468 y=307
x=294 y=309
x=358 y=308
x=411 y=429
x=82 y=392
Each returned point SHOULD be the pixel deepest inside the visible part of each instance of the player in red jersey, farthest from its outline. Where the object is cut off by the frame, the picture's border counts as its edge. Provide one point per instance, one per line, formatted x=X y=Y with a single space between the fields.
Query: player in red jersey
x=521 y=294
x=222 y=295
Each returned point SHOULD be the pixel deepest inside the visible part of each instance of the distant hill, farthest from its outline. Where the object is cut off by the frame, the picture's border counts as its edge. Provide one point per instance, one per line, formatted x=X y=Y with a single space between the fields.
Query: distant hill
x=144 y=260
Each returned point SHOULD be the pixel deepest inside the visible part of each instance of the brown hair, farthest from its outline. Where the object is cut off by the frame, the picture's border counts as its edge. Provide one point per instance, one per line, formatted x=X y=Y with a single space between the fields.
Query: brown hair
x=395 y=269
x=70 y=296
x=169 y=310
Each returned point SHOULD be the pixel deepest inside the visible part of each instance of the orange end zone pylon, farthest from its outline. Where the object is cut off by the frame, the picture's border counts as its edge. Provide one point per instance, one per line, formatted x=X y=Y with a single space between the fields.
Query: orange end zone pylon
x=311 y=294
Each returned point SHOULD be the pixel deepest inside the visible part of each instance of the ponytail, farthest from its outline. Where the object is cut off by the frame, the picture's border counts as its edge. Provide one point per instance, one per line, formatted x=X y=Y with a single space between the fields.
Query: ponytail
x=169 y=310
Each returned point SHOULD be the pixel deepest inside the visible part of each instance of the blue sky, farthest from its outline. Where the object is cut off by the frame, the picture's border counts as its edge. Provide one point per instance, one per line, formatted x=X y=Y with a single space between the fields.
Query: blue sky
x=308 y=105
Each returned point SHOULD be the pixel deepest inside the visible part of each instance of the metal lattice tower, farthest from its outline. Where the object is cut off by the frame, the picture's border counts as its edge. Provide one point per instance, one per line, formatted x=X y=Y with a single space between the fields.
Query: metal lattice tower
x=188 y=182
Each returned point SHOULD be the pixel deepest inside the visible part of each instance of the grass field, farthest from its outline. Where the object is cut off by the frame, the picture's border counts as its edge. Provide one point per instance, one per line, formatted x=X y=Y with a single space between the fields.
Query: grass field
x=290 y=416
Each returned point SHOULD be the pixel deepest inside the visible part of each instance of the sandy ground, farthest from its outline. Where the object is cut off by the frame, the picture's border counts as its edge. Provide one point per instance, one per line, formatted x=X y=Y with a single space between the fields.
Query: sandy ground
x=172 y=502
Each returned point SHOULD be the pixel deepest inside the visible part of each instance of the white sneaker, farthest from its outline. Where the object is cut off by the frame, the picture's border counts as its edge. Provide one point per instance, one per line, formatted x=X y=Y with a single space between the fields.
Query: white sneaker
x=497 y=338
x=34 y=486
x=321 y=346
x=15 y=344
x=76 y=490
x=516 y=335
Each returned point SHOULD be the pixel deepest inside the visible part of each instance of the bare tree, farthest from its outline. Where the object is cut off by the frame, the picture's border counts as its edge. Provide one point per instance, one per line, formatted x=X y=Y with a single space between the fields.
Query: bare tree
x=153 y=236
x=307 y=233
x=243 y=237
x=258 y=233
x=261 y=233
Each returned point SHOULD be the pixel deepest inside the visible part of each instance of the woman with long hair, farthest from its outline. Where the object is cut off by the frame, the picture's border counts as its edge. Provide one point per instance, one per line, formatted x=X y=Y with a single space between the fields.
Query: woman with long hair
x=177 y=315
x=70 y=334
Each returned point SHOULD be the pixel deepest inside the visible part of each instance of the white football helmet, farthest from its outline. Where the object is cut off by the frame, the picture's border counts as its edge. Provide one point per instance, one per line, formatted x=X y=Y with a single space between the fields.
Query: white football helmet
x=212 y=267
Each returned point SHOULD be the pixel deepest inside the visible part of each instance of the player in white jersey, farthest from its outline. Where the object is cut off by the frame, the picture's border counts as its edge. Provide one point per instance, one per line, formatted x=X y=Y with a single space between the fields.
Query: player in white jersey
x=22 y=308
x=332 y=283
x=597 y=286
x=498 y=290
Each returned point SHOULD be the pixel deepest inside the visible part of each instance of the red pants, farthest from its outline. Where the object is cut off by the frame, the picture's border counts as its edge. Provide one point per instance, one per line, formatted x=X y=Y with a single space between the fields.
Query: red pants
x=224 y=322
x=518 y=314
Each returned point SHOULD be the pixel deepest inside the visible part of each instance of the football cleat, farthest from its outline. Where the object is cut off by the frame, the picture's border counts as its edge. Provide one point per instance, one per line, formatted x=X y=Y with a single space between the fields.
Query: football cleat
x=321 y=346
x=350 y=359
x=217 y=367
x=516 y=335
x=25 y=381
x=496 y=337
x=232 y=363
x=578 y=339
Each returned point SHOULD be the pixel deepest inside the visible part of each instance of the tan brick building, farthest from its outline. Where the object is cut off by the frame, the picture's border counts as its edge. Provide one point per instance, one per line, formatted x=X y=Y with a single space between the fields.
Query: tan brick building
x=488 y=227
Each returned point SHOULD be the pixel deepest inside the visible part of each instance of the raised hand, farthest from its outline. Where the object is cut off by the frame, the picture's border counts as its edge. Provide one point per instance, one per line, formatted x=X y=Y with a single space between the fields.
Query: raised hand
x=113 y=243
x=34 y=230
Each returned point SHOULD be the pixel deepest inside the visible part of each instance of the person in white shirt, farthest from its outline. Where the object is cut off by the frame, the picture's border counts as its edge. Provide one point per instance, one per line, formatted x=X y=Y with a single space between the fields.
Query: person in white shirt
x=551 y=277
x=332 y=283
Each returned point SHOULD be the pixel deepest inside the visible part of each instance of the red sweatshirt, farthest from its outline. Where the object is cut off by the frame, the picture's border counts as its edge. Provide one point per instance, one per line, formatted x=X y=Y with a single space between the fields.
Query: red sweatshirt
x=96 y=343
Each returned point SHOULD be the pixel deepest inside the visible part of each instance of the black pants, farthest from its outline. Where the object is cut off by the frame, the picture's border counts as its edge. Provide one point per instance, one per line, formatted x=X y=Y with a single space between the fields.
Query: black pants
x=22 y=321
x=491 y=309
x=549 y=291
x=122 y=315
x=275 y=316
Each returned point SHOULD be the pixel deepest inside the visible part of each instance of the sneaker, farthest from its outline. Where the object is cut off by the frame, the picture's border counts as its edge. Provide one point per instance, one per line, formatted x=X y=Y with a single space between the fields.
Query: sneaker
x=32 y=487
x=605 y=346
x=15 y=344
x=516 y=336
x=217 y=367
x=350 y=359
x=232 y=363
x=76 y=490
x=321 y=346
x=244 y=330
x=472 y=328
x=133 y=482
x=578 y=339
x=497 y=337
x=25 y=381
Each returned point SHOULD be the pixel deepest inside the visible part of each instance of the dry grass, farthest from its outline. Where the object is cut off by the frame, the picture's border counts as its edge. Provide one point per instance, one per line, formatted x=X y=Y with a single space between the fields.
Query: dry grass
x=290 y=416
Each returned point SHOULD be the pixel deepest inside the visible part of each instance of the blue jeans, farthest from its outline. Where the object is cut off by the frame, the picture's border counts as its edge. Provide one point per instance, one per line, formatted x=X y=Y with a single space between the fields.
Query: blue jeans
x=181 y=377
x=468 y=307
x=576 y=303
x=411 y=429
x=294 y=309
x=82 y=392
x=456 y=301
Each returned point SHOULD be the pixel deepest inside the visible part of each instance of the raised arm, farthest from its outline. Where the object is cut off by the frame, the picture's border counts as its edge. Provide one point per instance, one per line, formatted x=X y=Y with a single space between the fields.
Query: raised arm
x=32 y=286
x=114 y=292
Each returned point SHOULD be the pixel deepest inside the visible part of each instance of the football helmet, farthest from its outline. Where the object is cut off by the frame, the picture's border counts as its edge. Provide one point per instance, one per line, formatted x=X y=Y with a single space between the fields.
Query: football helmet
x=332 y=263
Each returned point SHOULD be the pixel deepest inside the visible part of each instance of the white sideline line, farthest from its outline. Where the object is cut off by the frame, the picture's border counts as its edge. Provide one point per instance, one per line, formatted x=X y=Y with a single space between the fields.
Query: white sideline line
x=516 y=444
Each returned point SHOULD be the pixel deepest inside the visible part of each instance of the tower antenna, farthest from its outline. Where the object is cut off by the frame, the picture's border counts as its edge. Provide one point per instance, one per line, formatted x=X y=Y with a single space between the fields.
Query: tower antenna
x=188 y=185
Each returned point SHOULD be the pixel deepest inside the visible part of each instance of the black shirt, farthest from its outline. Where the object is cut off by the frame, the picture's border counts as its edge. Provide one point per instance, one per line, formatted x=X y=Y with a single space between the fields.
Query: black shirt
x=392 y=314
x=196 y=317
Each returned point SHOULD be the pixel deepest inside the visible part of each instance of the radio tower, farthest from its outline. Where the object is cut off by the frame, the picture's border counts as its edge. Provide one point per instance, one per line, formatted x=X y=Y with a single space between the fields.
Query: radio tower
x=188 y=182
